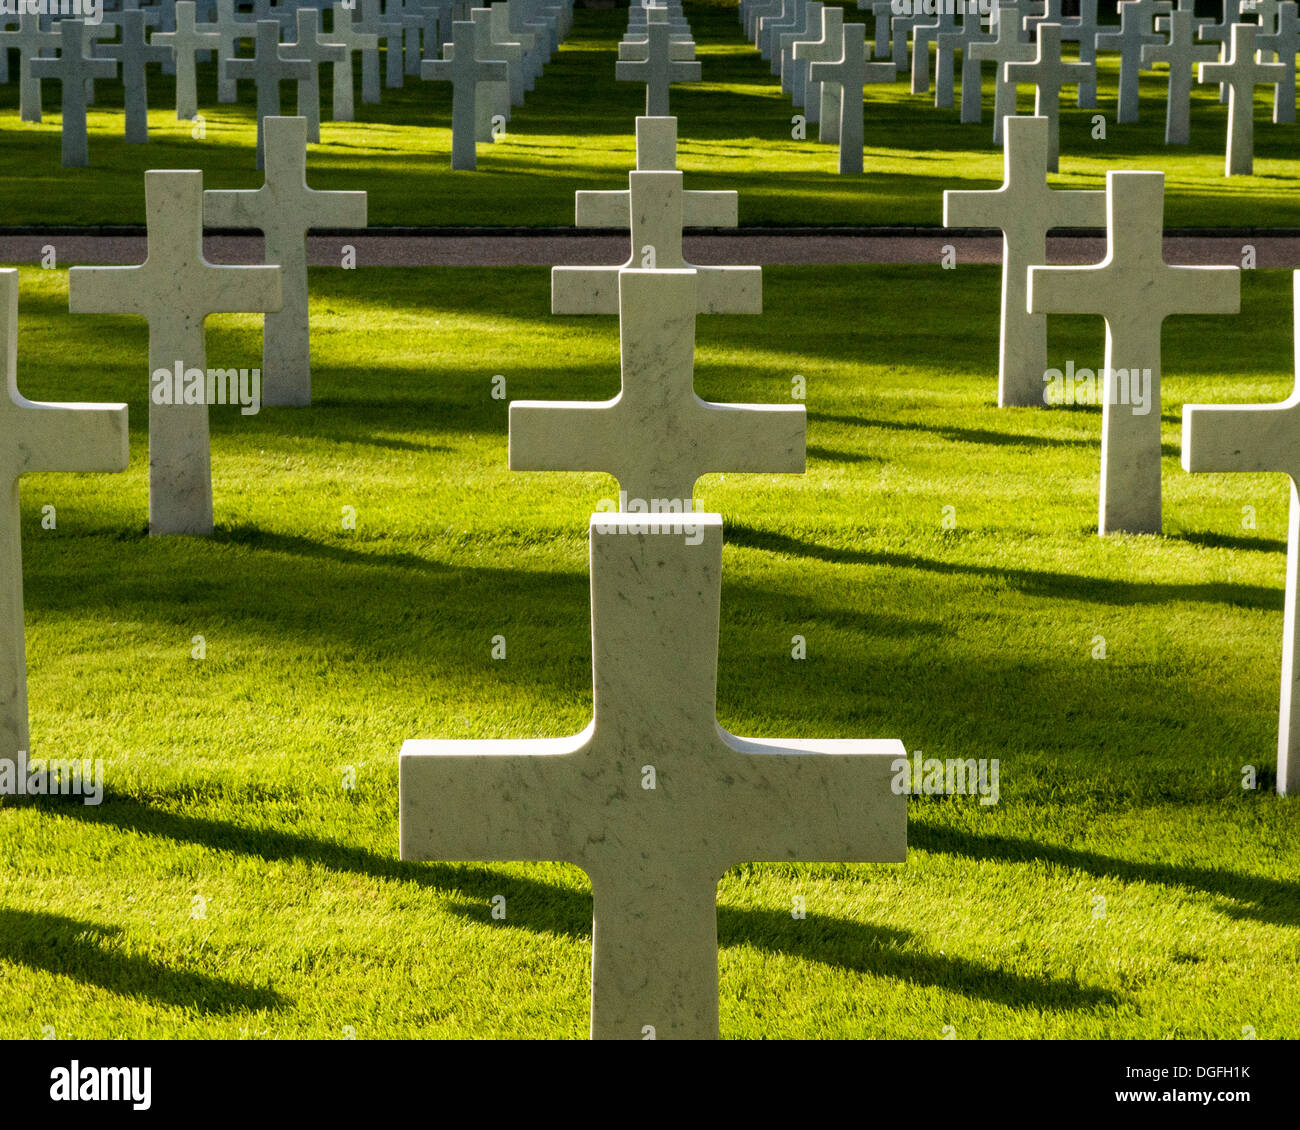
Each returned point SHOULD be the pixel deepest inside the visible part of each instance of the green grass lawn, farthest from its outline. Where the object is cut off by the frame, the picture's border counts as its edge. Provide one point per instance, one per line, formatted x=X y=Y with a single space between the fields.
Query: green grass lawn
x=1124 y=886
x=576 y=131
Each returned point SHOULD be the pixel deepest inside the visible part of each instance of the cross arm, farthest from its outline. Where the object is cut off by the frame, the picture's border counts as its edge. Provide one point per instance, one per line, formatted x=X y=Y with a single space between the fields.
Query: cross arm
x=825 y=801
x=565 y=435
x=601 y=209
x=753 y=439
x=1242 y=437
x=638 y=50
x=73 y=437
x=239 y=290
x=494 y=800
x=1068 y=290
x=105 y=290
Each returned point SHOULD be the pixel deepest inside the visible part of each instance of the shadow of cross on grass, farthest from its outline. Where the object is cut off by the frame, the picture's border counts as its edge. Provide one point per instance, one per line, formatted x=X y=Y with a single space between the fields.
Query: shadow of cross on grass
x=84 y=952
x=1272 y=901
x=546 y=908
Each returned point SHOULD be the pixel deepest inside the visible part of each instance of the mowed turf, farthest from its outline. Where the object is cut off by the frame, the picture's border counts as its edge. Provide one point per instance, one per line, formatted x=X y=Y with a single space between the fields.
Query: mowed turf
x=576 y=131
x=231 y=884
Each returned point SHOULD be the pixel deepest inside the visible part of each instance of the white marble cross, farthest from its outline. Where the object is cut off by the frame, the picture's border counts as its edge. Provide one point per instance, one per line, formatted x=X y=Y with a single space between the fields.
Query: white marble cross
x=36 y=437
x=900 y=30
x=72 y=68
x=285 y=208
x=1135 y=290
x=1048 y=73
x=1283 y=43
x=1241 y=72
x=922 y=36
x=794 y=19
x=1005 y=48
x=355 y=40
x=882 y=13
x=970 y=33
x=822 y=99
x=653 y=799
x=1082 y=29
x=656 y=437
x=851 y=72
x=175 y=289
x=783 y=16
x=1136 y=29
x=135 y=54
x=1256 y=439
x=504 y=32
x=230 y=31
x=186 y=41
x=1182 y=53
x=374 y=22
x=794 y=75
x=499 y=45
x=1221 y=32
x=656 y=208
x=466 y=72
x=1025 y=209
x=30 y=40
x=314 y=46
x=658 y=70
x=268 y=68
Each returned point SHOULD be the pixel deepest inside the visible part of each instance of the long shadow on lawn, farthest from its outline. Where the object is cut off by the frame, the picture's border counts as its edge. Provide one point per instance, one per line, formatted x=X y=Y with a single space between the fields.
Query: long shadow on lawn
x=1266 y=900
x=79 y=950
x=543 y=907
x=1031 y=582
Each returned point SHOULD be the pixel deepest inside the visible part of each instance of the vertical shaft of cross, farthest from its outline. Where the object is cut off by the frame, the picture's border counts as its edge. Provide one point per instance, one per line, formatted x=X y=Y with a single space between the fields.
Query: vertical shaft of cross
x=36 y=437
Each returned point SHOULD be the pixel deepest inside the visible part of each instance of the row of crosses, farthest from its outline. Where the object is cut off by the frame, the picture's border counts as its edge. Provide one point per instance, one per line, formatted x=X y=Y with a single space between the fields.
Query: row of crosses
x=653 y=799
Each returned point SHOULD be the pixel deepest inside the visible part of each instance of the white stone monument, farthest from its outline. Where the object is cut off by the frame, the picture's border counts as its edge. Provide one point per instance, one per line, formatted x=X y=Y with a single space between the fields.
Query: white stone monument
x=285 y=209
x=1241 y=72
x=30 y=40
x=822 y=99
x=37 y=437
x=175 y=289
x=1135 y=290
x=466 y=73
x=656 y=208
x=268 y=68
x=135 y=53
x=187 y=41
x=1005 y=48
x=314 y=46
x=73 y=68
x=1256 y=439
x=654 y=800
x=1182 y=53
x=851 y=72
x=1283 y=43
x=1048 y=73
x=1025 y=209
x=1136 y=30
x=658 y=70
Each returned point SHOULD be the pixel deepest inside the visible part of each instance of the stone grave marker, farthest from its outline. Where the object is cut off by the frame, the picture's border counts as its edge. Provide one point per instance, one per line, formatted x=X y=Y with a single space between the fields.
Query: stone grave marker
x=285 y=209
x=1182 y=53
x=466 y=73
x=37 y=437
x=1025 y=209
x=268 y=68
x=175 y=289
x=1257 y=439
x=1241 y=73
x=72 y=68
x=656 y=208
x=1048 y=73
x=1135 y=290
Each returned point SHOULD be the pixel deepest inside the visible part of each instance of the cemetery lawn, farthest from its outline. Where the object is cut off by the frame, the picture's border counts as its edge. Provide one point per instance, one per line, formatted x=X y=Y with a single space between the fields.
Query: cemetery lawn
x=576 y=131
x=1125 y=885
